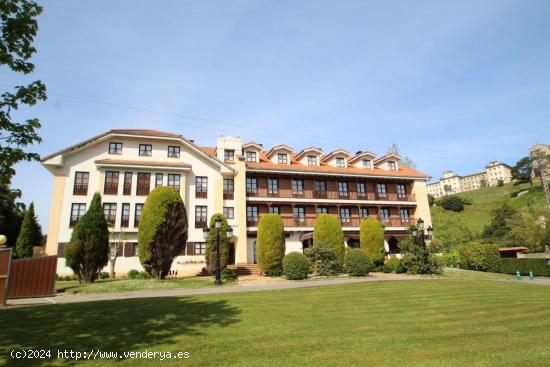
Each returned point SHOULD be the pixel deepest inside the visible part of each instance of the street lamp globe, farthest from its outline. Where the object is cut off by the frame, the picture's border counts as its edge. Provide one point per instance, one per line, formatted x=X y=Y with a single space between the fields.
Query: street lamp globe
x=420 y=224
x=414 y=231
x=206 y=233
x=218 y=223
x=229 y=232
x=3 y=240
x=430 y=231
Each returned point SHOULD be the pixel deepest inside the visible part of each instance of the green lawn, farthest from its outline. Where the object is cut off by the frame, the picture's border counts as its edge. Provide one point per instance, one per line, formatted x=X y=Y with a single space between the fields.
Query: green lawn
x=461 y=274
x=484 y=200
x=122 y=285
x=397 y=323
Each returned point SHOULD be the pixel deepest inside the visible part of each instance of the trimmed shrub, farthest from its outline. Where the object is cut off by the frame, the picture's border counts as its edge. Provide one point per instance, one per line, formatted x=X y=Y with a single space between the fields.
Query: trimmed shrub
x=452 y=202
x=357 y=263
x=270 y=244
x=450 y=259
x=210 y=252
x=479 y=256
x=322 y=261
x=162 y=230
x=539 y=267
x=103 y=275
x=328 y=233
x=295 y=266
x=88 y=251
x=133 y=274
x=229 y=275
x=30 y=234
x=372 y=240
x=392 y=264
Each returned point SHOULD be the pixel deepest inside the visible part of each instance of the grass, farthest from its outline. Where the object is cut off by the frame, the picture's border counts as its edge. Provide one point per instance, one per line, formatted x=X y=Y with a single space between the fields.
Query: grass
x=461 y=274
x=485 y=200
x=123 y=285
x=397 y=323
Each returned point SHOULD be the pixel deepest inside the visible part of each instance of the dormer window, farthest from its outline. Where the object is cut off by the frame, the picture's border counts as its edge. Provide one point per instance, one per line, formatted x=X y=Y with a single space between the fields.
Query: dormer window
x=367 y=163
x=340 y=162
x=251 y=157
x=392 y=166
x=282 y=158
x=115 y=148
x=311 y=160
x=173 y=152
x=145 y=150
x=229 y=155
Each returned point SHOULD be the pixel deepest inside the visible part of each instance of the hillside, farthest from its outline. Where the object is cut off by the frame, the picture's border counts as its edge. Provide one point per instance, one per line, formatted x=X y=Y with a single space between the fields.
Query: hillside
x=484 y=200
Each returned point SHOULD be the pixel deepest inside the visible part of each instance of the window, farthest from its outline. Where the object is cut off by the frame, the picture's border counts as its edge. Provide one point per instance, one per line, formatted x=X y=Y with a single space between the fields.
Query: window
x=385 y=215
x=345 y=215
x=228 y=155
x=272 y=185
x=199 y=248
x=173 y=152
x=340 y=162
x=274 y=210
x=81 y=183
x=111 y=183
x=367 y=164
x=159 y=178
x=125 y=217
x=115 y=148
x=361 y=191
x=77 y=211
x=299 y=214
x=201 y=187
x=311 y=160
x=174 y=181
x=201 y=216
x=228 y=188
x=401 y=191
x=143 y=184
x=282 y=158
x=109 y=209
x=251 y=156
x=134 y=249
x=252 y=214
x=229 y=212
x=363 y=212
x=145 y=150
x=320 y=188
x=127 y=188
x=297 y=187
x=322 y=210
x=342 y=188
x=381 y=190
x=251 y=185
x=404 y=215
x=137 y=214
x=392 y=166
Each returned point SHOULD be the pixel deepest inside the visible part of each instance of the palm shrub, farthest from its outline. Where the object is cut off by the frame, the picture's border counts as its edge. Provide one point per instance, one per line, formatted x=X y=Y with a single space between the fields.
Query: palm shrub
x=328 y=233
x=88 y=251
x=372 y=240
x=479 y=256
x=357 y=263
x=30 y=234
x=162 y=230
x=270 y=244
x=295 y=266
x=210 y=252
x=322 y=261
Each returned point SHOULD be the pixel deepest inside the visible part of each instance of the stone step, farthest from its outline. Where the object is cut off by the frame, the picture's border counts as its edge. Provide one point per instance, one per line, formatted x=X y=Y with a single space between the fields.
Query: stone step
x=246 y=269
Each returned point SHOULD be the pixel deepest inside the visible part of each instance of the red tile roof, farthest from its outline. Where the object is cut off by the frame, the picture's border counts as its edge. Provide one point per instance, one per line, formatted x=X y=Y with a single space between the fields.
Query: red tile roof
x=142 y=163
x=211 y=151
x=145 y=132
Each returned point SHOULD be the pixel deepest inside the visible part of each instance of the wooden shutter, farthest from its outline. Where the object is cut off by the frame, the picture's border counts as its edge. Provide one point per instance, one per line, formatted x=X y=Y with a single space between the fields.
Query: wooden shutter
x=190 y=248
x=61 y=249
x=128 y=247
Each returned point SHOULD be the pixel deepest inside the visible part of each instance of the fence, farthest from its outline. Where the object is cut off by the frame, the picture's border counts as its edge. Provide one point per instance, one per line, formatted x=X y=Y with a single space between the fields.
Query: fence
x=33 y=277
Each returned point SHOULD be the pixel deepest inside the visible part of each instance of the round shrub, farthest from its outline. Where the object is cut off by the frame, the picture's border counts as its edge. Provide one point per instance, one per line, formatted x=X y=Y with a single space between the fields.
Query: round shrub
x=452 y=202
x=450 y=259
x=393 y=263
x=133 y=274
x=372 y=240
x=328 y=233
x=322 y=261
x=103 y=275
x=229 y=275
x=295 y=266
x=479 y=256
x=270 y=244
x=357 y=263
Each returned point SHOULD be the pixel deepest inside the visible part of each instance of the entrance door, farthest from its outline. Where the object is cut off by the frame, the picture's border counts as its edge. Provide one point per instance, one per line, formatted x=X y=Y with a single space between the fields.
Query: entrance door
x=231 y=260
x=254 y=251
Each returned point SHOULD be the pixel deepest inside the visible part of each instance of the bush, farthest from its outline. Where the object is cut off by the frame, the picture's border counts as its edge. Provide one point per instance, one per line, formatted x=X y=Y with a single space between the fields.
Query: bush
x=539 y=267
x=392 y=264
x=386 y=269
x=322 y=261
x=328 y=233
x=103 y=275
x=295 y=266
x=133 y=274
x=162 y=230
x=452 y=202
x=500 y=183
x=450 y=259
x=480 y=257
x=418 y=259
x=229 y=275
x=210 y=253
x=357 y=263
x=372 y=240
x=270 y=244
x=431 y=200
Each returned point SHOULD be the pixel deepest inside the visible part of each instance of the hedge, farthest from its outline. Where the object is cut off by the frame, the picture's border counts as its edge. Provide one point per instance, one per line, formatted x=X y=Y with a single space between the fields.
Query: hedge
x=539 y=267
x=328 y=233
x=480 y=257
x=371 y=236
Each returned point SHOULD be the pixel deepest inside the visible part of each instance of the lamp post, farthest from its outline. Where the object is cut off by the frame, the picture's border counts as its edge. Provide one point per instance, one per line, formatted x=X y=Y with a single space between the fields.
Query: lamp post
x=206 y=235
x=419 y=229
x=3 y=240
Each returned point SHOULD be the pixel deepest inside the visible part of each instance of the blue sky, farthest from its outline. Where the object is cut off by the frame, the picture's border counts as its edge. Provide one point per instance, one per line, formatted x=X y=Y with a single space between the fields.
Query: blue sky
x=454 y=83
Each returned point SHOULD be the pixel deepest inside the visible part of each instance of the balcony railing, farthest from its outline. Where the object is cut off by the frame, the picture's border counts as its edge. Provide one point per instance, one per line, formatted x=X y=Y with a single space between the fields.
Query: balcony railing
x=136 y=222
x=111 y=219
x=228 y=196
x=80 y=189
x=201 y=194
x=354 y=221
x=127 y=189
x=200 y=223
x=142 y=190
x=125 y=222
x=111 y=189
x=329 y=194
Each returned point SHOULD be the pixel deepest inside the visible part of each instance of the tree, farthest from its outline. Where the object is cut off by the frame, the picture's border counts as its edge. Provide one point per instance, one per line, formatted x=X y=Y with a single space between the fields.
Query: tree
x=372 y=240
x=162 y=230
x=404 y=161
x=528 y=229
x=521 y=172
x=210 y=254
x=29 y=236
x=18 y=27
x=11 y=214
x=431 y=200
x=452 y=202
x=328 y=233
x=451 y=231
x=499 y=228
x=88 y=251
x=270 y=244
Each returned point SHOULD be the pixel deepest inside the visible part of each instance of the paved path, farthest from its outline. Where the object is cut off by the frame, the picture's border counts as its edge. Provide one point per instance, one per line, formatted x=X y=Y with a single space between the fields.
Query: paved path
x=245 y=284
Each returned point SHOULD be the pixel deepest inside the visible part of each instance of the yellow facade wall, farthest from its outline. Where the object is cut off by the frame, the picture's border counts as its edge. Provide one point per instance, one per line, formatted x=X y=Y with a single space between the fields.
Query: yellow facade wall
x=55 y=215
x=420 y=192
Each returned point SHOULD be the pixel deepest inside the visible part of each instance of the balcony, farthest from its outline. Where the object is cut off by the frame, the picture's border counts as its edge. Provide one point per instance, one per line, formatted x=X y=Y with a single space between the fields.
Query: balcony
x=201 y=194
x=354 y=221
x=80 y=189
x=328 y=194
x=200 y=223
x=142 y=190
x=111 y=189
x=228 y=196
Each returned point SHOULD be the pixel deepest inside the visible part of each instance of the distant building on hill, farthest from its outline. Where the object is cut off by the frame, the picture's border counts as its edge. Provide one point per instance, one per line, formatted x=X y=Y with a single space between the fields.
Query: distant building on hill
x=451 y=183
x=540 y=153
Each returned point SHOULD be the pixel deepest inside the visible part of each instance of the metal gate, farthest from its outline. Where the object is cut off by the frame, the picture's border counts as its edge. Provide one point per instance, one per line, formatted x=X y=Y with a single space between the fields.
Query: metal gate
x=5 y=260
x=34 y=277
